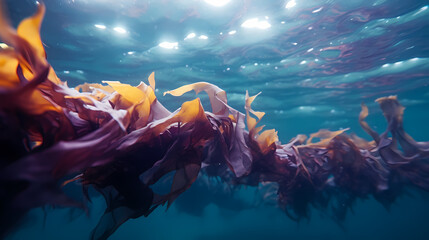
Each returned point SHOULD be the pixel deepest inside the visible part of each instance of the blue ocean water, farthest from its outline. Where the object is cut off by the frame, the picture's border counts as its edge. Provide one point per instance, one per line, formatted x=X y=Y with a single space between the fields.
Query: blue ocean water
x=313 y=61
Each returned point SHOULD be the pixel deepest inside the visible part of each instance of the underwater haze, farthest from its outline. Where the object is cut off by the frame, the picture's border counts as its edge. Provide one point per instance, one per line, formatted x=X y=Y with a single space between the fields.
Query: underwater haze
x=315 y=62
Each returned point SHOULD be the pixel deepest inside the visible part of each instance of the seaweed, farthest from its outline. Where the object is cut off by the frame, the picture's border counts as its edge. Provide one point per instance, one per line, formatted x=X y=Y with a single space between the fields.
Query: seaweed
x=120 y=140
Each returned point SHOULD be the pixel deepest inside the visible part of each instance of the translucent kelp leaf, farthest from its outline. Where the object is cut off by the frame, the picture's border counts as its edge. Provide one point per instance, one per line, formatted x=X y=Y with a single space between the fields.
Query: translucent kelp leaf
x=362 y=115
x=151 y=80
x=8 y=66
x=266 y=138
x=29 y=29
x=325 y=137
x=89 y=87
x=217 y=96
x=132 y=94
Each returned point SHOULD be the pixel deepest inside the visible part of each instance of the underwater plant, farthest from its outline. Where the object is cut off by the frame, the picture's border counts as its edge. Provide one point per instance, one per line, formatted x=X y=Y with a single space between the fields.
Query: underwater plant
x=120 y=140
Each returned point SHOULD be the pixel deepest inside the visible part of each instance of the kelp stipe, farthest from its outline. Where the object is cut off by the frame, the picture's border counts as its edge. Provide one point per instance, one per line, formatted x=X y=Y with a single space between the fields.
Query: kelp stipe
x=120 y=140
